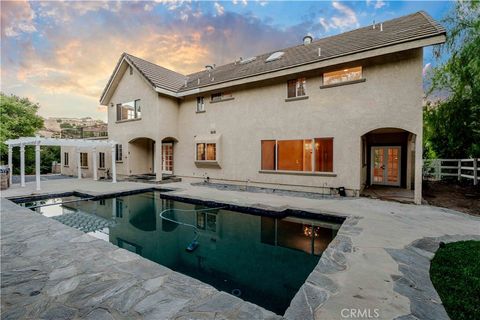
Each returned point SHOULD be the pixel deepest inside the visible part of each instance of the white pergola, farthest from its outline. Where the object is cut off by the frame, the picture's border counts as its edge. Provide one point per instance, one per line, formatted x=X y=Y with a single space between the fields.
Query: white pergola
x=79 y=144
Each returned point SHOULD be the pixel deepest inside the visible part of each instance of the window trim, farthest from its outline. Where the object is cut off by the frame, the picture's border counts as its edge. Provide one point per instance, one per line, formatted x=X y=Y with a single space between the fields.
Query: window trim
x=197 y=110
x=66 y=159
x=135 y=112
x=205 y=152
x=100 y=160
x=86 y=159
x=222 y=98
x=296 y=96
x=341 y=83
x=116 y=152
x=312 y=172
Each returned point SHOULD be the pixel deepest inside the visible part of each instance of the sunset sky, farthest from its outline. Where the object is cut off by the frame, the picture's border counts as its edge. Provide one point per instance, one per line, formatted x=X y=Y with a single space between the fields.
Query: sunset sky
x=61 y=54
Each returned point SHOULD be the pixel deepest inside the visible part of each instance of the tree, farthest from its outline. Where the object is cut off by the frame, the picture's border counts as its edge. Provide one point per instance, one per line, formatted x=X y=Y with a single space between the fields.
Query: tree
x=18 y=117
x=452 y=126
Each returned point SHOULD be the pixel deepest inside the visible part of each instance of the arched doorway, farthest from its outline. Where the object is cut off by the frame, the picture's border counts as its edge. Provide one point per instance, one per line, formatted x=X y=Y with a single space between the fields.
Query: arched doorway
x=388 y=163
x=168 y=156
x=141 y=153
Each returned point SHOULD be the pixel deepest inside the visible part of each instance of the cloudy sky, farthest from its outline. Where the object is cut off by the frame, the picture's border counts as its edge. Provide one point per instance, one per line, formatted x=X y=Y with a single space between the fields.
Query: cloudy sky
x=61 y=54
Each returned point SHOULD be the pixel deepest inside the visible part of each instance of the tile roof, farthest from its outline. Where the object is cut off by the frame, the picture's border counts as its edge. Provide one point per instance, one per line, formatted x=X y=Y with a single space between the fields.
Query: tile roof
x=412 y=27
x=158 y=76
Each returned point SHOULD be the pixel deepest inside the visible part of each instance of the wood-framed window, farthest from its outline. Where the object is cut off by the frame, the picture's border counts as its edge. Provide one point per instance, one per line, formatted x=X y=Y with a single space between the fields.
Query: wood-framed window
x=118 y=153
x=308 y=155
x=343 y=75
x=200 y=104
x=221 y=96
x=297 y=88
x=84 y=159
x=206 y=152
x=65 y=159
x=129 y=110
x=101 y=160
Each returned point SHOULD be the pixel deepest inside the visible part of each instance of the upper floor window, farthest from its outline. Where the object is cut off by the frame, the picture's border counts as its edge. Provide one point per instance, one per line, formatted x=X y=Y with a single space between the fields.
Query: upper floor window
x=220 y=96
x=101 y=160
x=200 y=104
x=84 y=159
x=65 y=159
x=344 y=75
x=314 y=155
x=118 y=152
x=129 y=110
x=296 y=88
x=206 y=152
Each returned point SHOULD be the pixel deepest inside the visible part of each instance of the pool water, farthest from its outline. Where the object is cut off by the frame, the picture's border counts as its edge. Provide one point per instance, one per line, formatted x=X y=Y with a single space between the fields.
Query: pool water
x=260 y=259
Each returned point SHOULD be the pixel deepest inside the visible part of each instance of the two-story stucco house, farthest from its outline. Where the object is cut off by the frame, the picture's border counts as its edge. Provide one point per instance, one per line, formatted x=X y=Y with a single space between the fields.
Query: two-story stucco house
x=342 y=111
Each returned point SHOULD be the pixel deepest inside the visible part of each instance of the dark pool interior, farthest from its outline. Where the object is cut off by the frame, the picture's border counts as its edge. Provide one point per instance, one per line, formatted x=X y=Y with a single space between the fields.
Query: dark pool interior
x=259 y=258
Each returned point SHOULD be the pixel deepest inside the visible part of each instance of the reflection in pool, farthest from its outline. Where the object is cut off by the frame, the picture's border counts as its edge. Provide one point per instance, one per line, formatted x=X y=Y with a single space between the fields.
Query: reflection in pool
x=261 y=259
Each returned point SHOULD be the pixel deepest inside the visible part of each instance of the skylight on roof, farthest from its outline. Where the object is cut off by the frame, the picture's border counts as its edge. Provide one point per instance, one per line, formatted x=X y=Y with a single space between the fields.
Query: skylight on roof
x=247 y=60
x=275 y=56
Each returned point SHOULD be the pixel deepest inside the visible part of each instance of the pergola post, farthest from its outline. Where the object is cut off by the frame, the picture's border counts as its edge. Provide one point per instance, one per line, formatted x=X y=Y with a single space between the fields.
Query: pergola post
x=94 y=163
x=37 y=164
x=10 y=165
x=22 y=165
x=114 y=166
x=79 y=169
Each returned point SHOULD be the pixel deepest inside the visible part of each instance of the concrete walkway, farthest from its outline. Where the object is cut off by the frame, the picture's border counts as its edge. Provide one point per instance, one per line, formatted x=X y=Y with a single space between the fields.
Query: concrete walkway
x=357 y=272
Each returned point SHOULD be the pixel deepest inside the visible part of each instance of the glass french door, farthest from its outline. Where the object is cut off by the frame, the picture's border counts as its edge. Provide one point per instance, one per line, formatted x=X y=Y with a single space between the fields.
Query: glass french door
x=167 y=158
x=385 y=166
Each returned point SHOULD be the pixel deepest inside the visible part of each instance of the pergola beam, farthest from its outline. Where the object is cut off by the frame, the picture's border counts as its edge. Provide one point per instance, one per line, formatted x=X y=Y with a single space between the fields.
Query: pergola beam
x=79 y=144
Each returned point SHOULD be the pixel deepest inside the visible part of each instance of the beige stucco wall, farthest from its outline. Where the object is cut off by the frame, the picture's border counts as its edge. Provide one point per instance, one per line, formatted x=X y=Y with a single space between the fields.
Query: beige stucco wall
x=159 y=121
x=390 y=97
x=87 y=172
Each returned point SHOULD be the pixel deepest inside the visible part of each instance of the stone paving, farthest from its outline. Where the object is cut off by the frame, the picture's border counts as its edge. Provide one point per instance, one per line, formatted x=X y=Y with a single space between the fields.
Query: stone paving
x=362 y=269
x=414 y=264
x=51 y=271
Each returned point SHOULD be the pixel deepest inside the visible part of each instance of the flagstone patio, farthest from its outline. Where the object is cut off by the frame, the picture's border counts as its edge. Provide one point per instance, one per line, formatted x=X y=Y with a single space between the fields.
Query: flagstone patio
x=51 y=270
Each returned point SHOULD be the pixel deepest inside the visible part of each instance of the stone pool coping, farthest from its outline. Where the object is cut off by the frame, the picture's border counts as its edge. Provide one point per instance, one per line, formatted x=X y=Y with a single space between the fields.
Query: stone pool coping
x=370 y=272
x=414 y=283
x=53 y=271
x=332 y=260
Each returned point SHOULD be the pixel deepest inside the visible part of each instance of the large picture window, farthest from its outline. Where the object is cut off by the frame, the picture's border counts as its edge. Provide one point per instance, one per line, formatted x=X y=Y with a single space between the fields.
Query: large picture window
x=344 y=75
x=129 y=110
x=206 y=152
x=297 y=88
x=309 y=155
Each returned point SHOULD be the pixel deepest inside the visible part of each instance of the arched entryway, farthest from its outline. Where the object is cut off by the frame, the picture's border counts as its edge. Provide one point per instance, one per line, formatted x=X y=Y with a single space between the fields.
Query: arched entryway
x=141 y=153
x=388 y=163
x=167 y=161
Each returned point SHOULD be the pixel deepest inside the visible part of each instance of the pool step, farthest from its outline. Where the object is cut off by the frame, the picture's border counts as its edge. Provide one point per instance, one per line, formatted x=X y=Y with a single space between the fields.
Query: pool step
x=150 y=178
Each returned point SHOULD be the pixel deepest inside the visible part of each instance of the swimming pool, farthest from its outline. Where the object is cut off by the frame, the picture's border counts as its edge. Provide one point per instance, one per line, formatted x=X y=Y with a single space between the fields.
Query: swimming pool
x=261 y=258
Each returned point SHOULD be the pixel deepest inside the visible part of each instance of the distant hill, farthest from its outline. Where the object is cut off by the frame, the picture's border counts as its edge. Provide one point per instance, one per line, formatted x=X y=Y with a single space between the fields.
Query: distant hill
x=54 y=126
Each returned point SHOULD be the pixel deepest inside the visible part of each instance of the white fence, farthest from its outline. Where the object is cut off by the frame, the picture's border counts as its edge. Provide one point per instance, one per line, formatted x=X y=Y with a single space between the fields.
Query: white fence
x=437 y=169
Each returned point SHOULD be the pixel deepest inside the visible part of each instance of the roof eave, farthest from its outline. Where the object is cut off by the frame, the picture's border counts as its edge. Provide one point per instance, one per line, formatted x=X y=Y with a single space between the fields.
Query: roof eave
x=359 y=55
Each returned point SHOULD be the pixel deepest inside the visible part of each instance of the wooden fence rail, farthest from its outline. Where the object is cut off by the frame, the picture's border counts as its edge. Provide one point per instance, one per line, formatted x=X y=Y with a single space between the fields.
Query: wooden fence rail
x=437 y=169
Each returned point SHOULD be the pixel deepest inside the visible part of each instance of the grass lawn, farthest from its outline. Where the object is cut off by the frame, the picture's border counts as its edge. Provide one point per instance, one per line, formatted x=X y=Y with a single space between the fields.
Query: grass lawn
x=455 y=273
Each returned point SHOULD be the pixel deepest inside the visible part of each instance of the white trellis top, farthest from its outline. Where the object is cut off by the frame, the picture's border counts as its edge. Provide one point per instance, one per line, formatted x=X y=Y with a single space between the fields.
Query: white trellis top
x=85 y=143
x=39 y=141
